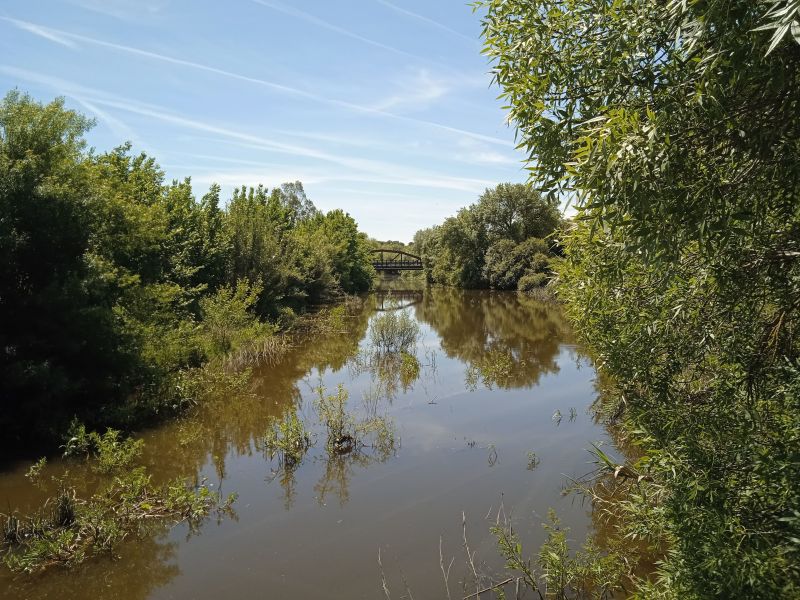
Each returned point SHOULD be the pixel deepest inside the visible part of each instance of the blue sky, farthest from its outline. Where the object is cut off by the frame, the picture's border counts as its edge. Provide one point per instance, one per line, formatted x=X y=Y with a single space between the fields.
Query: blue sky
x=380 y=107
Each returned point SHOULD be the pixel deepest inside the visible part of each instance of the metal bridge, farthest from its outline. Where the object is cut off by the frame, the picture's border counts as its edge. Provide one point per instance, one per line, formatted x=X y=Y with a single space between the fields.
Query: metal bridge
x=390 y=300
x=395 y=260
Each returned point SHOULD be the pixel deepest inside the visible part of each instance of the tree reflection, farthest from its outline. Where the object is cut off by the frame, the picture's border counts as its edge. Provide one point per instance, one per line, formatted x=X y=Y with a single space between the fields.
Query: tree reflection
x=232 y=425
x=340 y=468
x=391 y=372
x=507 y=340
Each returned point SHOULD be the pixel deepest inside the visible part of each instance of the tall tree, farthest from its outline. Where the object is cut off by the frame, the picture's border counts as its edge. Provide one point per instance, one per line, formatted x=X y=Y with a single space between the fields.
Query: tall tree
x=675 y=128
x=60 y=351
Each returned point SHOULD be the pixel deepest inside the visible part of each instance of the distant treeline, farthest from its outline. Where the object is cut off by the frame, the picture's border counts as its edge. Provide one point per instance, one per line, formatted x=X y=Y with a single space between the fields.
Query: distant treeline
x=114 y=283
x=504 y=241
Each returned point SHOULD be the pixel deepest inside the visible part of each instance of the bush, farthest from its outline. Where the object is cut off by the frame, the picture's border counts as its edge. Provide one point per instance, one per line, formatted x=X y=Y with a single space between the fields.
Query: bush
x=394 y=331
x=228 y=320
x=532 y=281
x=506 y=263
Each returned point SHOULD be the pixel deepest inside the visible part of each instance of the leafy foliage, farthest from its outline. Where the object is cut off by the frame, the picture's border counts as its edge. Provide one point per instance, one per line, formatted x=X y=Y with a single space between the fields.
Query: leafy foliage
x=393 y=332
x=492 y=243
x=674 y=129
x=69 y=529
x=115 y=284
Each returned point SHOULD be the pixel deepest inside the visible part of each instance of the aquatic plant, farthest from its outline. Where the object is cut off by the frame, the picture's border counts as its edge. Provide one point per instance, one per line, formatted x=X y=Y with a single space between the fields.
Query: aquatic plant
x=345 y=433
x=35 y=471
x=409 y=368
x=558 y=574
x=533 y=461
x=110 y=450
x=393 y=331
x=287 y=439
x=340 y=425
x=68 y=529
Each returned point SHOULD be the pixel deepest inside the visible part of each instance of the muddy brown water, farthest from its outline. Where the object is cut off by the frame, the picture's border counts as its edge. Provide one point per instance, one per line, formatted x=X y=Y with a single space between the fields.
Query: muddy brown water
x=496 y=371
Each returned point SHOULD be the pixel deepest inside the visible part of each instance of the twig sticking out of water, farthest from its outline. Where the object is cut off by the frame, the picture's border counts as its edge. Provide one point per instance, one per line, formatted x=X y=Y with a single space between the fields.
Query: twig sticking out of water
x=470 y=554
x=445 y=572
x=489 y=589
x=383 y=577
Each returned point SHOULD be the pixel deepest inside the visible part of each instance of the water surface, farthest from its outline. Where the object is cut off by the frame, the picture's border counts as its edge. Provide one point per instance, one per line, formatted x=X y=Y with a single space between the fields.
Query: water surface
x=499 y=377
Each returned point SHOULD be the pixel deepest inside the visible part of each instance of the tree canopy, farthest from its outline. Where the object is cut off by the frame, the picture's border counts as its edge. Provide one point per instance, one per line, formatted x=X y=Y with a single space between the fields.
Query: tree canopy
x=674 y=128
x=470 y=249
x=115 y=282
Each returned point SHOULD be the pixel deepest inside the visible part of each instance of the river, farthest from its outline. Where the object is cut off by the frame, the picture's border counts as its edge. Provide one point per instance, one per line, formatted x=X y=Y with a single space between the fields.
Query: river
x=495 y=417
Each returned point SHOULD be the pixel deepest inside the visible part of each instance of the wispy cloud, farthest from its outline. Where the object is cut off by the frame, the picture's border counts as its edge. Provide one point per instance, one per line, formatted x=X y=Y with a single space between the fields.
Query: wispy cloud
x=123 y=9
x=476 y=152
x=47 y=33
x=119 y=128
x=43 y=32
x=362 y=170
x=489 y=157
x=418 y=92
x=309 y=18
x=427 y=20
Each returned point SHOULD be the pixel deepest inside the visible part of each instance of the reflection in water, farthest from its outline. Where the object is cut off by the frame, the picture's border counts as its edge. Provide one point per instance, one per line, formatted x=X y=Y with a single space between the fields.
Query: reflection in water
x=507 y=340
x=397 y=299
x=222 y=428
x=227 y=426
x=304 y=511
x=138 y=568
x=390 y=372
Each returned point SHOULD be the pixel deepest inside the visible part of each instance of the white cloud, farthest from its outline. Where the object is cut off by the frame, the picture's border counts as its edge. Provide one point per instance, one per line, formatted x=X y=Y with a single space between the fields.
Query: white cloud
x=309 y=18
x=47 y=33
x=42 y=32
x=427 y=20
x=362 y=170
x=115 y=125
x=417 y=92
x=126 y=10
x=489 y=157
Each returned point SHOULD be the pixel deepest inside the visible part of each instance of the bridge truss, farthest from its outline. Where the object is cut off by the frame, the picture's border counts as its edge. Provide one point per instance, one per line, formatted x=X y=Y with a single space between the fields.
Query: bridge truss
x=385 y=259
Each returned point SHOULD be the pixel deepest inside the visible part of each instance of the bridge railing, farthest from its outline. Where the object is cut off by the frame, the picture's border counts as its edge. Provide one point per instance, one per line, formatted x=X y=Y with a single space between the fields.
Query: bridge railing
x=387 y=259
x=400 y=265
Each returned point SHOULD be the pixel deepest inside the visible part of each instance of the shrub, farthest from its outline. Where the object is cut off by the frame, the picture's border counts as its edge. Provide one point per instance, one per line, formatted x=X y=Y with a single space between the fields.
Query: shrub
x=532 y=281
x=394 y=331
x=227 y=317
x=507 y=262
x=287 y=439
x=112 y=452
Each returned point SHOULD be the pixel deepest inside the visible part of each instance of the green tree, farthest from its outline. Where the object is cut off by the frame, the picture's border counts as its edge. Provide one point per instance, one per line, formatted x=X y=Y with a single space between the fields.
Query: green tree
x=60 y=351
x=674 y=128
x=507 y=262
x=455 y=253
x=516 y=212
x=348 y=249
x=115 y=285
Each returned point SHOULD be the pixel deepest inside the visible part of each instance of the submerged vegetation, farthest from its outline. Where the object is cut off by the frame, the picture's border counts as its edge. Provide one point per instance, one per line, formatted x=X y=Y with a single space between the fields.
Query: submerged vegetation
x=68 y=528
x=674 y=128
x=393 y=332
x=349 y=441
x=120 y=288
x=345 y=433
